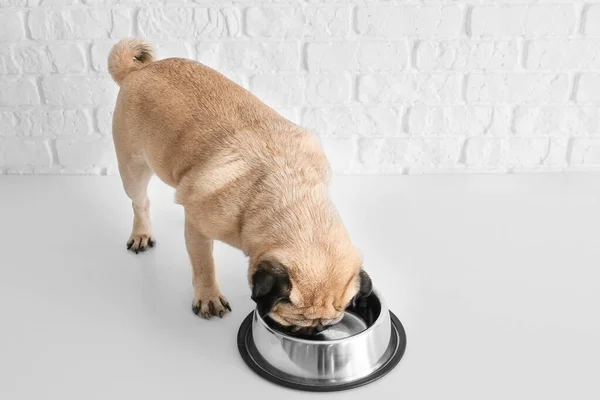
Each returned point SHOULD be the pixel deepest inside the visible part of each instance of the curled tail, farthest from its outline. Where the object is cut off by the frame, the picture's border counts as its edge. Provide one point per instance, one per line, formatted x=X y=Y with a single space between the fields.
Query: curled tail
x=128 y=55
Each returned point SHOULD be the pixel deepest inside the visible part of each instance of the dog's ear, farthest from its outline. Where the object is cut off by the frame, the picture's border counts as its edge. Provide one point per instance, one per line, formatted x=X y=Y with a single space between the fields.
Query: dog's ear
x=366 y=286
x=270 y=284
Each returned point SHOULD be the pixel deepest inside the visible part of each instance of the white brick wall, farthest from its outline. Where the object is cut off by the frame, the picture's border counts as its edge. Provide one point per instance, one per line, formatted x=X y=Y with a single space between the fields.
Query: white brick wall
x=390 y=86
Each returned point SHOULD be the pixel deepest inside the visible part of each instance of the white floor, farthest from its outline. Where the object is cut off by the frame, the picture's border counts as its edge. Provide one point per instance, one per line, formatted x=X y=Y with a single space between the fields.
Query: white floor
x=496 y=279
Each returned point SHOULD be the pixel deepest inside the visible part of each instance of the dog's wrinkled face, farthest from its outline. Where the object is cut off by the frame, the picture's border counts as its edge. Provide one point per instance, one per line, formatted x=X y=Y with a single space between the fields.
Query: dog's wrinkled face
x=306 y=304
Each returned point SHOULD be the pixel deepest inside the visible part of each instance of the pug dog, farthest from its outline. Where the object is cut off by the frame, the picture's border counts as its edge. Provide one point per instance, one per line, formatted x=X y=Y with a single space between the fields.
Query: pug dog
x=245 y=176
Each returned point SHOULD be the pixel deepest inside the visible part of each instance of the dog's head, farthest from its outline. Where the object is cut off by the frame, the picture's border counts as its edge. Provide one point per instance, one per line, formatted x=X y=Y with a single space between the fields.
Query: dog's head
x=307 y=298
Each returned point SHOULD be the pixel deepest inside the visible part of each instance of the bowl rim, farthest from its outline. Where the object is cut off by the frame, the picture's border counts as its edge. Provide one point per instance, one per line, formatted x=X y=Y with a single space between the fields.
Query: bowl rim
x=384 y=313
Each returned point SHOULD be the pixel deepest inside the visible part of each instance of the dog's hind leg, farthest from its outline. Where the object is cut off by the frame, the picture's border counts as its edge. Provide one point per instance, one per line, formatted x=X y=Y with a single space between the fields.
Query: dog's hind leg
x=136 y=174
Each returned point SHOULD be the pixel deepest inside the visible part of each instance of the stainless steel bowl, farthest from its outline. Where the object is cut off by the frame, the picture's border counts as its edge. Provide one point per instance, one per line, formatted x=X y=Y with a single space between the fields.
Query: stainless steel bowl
x=367 y=343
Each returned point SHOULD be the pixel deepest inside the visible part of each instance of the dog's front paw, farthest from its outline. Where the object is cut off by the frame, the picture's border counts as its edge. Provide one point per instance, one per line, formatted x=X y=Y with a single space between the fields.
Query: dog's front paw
x=211 y=306
x=140 y=242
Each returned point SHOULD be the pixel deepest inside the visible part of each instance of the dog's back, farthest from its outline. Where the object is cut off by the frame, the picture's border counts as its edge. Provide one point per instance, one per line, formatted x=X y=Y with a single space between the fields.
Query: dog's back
x=181 y=113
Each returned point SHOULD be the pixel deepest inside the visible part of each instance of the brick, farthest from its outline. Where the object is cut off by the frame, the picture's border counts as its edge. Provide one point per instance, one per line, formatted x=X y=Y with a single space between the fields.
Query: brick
x=328 y=88
x=7 y=124
x=340 y=152
x=85 y=152
x=556 y=121
x=460 y=55
x=408 y=88
x=498 y=21
x=104 y=117
x=115 y=2
x=563 y=54
x=382 y=56
x=73 y=123
x=332 y=57
x=485 y=152
x=585 y=152
x=592 y=16
x=382 y=154
x=189 y=23
x=588 y=88
x=275 y=22
x=12 y=28
x=296 y=22
x=40 y=122
x=99 y=55
x=518 y=20
x=21 y=152
x=81 y=23
x=517 y=88
x=251 y=57
x=325 y=22
x=368 y=152
x=59 y=2
x=53 y=58
x=353 y=120
x=458 y=121
x=393 y=153
x=398 y=21
x=438 y=152
x=503 y=2
x=67 y=58
x=78 y=90
x=18 y=91
x=121 y=23
x=280 y=90
x=357 y=56
x=34 y=59
x=13 y=3
x=8 y=64
x=533 y=152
